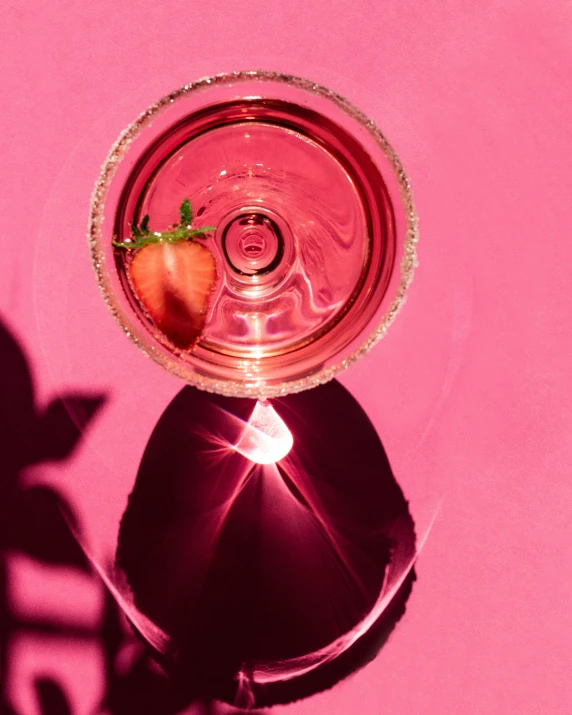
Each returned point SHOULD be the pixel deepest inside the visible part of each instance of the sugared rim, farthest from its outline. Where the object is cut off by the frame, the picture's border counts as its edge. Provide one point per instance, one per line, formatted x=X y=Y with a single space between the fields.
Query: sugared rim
x=238 y=388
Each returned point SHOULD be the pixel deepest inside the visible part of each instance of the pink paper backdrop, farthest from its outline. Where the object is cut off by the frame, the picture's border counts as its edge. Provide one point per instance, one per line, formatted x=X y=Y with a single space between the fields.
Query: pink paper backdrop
x=470 y=391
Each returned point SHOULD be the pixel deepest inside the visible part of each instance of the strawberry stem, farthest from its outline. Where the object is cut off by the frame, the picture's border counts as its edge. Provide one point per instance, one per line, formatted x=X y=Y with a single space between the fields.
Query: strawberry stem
x=142 y=236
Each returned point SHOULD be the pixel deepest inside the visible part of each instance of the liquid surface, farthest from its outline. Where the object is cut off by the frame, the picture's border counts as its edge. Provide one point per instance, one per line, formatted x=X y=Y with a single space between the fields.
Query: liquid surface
x=294 y=223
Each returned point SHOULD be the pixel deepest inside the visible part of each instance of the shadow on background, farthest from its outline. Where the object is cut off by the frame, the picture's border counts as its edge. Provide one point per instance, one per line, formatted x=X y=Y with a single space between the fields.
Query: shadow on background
x=31 y=517
x=246 y=565
x=239 y=563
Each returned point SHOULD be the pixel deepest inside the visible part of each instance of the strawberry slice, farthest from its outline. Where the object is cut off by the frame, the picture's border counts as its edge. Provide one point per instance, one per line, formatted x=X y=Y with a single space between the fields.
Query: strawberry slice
x=172 y=276
x=173 y=281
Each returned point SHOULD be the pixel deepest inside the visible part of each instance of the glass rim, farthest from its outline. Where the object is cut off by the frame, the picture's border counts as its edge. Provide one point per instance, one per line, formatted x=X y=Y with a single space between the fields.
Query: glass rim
x=235 y=387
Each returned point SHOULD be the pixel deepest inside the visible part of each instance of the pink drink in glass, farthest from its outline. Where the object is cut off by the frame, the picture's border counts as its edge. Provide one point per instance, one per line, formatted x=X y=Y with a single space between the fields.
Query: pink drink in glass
x=315 y=229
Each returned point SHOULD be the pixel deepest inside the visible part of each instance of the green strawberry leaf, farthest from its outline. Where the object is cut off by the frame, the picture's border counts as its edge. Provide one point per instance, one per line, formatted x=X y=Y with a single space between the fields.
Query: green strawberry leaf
x=186 y=213
x=141 y=235
x=144 y=225
x=135 y=230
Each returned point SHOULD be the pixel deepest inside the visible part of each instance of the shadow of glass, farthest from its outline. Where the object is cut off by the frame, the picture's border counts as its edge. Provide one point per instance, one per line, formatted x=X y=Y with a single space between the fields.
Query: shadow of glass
x=255 y=571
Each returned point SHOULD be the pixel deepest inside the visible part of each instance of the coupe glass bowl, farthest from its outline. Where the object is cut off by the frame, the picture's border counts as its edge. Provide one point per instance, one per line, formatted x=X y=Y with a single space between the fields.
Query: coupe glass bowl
x=315 y=229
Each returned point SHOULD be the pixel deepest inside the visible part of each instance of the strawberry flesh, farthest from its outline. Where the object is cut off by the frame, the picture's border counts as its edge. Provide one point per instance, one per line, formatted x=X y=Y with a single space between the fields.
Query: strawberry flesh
x=173 y=282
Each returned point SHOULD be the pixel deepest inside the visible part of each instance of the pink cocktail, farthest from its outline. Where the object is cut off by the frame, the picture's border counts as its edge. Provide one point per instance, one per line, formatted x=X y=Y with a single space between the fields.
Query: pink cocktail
x=314 y=229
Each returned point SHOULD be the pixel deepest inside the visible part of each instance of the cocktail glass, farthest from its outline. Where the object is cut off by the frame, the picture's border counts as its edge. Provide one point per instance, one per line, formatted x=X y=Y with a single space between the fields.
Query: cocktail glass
x=314 y=241
x=315 y=229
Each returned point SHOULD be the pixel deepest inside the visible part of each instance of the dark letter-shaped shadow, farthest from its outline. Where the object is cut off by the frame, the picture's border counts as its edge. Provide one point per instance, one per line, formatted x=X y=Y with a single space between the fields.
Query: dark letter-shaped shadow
x=33 y=519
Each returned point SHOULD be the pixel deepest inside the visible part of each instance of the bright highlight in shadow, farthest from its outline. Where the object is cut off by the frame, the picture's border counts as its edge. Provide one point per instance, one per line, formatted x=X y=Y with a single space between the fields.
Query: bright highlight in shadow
x=265 y=438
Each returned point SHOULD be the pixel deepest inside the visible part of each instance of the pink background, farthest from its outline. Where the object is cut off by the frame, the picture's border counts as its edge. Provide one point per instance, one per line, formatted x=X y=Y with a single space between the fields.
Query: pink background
x=470 y=391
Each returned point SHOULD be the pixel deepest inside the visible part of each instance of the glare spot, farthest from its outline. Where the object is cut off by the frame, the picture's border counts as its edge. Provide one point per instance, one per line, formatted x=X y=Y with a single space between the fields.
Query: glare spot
x=265 y=438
